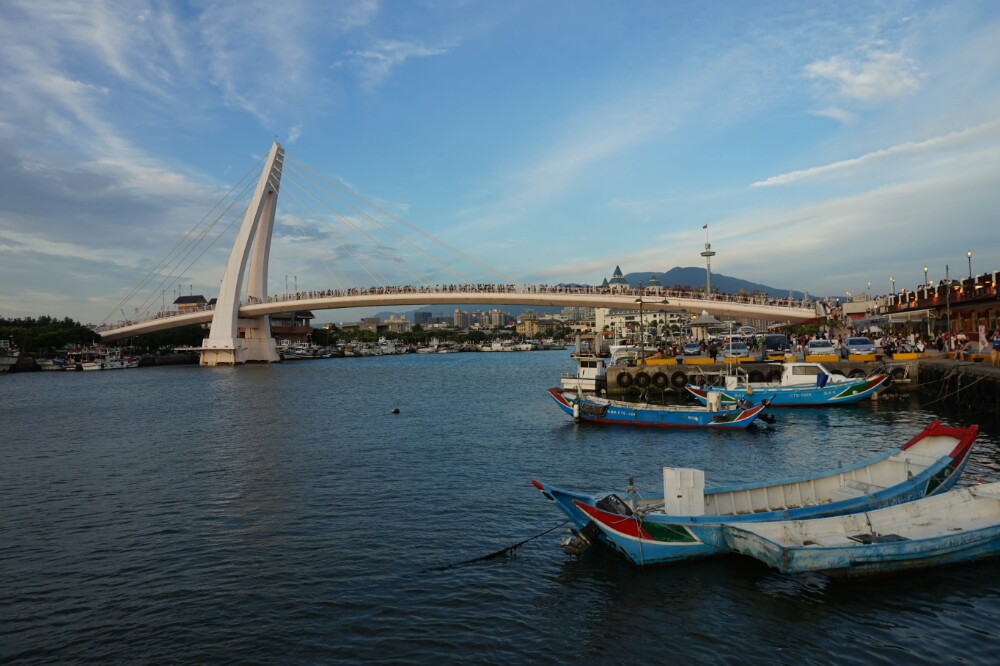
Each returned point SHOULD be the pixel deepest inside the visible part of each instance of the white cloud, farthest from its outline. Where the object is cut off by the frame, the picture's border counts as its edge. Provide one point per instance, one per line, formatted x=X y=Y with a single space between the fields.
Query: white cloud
x=377 y=63
x=872 y=77
x=840 y=115
x=949 y=140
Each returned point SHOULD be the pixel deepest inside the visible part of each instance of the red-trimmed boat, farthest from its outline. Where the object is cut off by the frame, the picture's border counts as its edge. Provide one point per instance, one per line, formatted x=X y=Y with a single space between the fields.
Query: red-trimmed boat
x=685 y=520
x=588 y=407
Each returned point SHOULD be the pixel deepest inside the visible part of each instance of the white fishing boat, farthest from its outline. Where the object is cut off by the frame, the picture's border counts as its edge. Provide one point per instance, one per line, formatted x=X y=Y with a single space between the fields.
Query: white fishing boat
x=957 y=526
x=8 y=355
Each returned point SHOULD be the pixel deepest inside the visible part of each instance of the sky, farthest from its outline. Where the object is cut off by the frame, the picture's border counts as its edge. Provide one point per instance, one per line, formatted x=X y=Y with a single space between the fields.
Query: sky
x=825 y=145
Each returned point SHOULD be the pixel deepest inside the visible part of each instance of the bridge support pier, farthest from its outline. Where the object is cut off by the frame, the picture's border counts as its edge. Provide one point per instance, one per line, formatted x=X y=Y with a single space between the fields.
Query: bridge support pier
x=253 y=345
x=233 y=340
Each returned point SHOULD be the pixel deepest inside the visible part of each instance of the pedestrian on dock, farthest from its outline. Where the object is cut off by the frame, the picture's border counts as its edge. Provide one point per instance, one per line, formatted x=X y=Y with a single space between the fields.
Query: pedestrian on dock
x=995 y=351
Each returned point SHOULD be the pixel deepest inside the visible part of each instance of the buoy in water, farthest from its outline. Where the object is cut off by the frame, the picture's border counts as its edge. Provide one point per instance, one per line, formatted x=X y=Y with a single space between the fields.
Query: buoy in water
x=395 y=410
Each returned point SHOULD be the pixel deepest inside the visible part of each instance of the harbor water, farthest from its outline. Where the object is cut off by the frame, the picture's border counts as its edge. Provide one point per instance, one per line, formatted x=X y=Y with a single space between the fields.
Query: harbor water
x=284 y=514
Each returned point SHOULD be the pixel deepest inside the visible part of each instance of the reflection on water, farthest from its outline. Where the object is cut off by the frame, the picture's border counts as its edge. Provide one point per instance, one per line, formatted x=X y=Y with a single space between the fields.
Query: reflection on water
x=285 y=514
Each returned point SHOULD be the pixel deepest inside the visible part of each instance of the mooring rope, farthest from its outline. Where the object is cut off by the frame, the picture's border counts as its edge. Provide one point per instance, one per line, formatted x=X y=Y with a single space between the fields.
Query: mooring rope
x=955 y=392
x=503 y=552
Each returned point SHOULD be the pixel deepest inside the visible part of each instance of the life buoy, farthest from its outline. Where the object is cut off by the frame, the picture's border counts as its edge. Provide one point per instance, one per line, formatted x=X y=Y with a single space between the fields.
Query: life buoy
x=679 y=379
x=756 y=376
x=642 y=379
x=774 y=376
x=624 y=379
x=661 y=381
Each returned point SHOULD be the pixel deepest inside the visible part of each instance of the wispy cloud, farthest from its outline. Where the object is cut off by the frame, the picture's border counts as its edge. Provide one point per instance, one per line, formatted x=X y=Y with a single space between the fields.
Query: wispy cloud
x=376 y=64
x=870 y=77
x=842 y=116
x=909 y=148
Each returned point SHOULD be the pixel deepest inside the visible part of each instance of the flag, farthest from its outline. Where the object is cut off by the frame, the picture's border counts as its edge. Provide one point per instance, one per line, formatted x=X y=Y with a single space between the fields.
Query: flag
x=705 y=227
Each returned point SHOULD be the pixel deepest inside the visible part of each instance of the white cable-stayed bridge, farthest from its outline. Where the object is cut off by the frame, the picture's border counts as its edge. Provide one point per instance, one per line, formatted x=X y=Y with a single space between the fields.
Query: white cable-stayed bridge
x=352 y=230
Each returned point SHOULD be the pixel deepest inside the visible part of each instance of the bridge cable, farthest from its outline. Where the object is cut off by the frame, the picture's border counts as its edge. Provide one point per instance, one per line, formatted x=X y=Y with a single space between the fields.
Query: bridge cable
x=404 y=223
x=173 y=275
x=307 y=211
x=167 y=257
x=382 y=226
x=375 y=242
x=379 y=279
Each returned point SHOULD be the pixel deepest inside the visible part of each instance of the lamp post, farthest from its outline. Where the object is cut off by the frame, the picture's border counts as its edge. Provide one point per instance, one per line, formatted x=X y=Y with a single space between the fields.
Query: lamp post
x=892 y=289
x=708 y=254
x=969 y=255
x=947 y=305
x=642 y=341
x=925 y=276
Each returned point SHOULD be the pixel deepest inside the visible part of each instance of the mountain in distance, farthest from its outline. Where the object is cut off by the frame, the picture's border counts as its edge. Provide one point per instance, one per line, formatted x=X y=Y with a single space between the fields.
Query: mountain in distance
x=695 y=278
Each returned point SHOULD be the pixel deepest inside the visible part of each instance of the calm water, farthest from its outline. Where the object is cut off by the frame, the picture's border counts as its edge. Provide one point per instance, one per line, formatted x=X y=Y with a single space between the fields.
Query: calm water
x=283 y=514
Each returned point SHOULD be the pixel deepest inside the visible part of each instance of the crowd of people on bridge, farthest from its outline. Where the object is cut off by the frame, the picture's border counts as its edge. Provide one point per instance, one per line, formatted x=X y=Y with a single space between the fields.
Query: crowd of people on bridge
x=487 y=288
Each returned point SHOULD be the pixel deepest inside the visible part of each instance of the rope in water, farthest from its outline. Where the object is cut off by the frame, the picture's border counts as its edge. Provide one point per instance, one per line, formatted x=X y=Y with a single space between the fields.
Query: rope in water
x=503 y=552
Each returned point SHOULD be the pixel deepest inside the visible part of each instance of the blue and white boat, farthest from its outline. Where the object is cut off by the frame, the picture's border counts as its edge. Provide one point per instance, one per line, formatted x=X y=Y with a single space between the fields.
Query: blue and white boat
x=957 y=526
x=799 y=385
x=589 y=407
x=684 y=520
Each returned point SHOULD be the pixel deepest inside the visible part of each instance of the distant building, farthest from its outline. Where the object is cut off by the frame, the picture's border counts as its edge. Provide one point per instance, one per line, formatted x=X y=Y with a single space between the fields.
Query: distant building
x=461 y=319
x=369 y=324
x=190 y=303
x=292 y=326
x=422 y=318
x=397 y=324
x=618 y=283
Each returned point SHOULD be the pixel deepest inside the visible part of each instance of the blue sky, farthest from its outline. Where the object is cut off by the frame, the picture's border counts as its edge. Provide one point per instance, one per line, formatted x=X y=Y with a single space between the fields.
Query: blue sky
x=825 y=144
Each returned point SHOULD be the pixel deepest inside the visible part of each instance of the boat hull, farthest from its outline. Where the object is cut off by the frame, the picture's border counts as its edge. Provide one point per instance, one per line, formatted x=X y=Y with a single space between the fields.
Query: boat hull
x=584 y=408
x=838 y=393
x=881 y=541
x=658 y=538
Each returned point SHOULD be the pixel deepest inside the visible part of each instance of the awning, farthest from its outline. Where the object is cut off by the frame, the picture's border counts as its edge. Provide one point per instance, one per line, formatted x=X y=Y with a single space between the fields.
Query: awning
x=913 y=315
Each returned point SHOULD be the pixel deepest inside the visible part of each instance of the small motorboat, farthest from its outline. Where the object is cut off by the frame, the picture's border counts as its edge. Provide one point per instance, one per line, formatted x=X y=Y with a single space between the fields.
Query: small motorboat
x=797 y=384
x=588 y=407
x=684 y=520
x=957 y=526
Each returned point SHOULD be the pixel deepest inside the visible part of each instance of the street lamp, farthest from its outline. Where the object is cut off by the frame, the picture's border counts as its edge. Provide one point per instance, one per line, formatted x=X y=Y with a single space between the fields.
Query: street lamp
x=642 y=327
x=925 y=276
x=969 y=255
x=892 y=288
x=642 y=345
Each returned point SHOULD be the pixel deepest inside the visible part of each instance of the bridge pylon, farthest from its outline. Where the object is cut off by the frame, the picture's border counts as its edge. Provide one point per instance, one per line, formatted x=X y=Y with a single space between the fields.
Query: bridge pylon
x=233 y=340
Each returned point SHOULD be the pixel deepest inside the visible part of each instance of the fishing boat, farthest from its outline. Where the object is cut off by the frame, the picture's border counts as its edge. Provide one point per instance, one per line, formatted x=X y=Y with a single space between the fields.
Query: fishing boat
x=589 y=407
x=799 y=384
x=684 y=520
x=957 y=526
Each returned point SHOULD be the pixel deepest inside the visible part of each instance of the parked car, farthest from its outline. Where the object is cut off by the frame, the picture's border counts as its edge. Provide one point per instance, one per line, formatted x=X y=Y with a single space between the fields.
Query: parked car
x=735 y=350
x=692 y=349
x=820 y=348
x=774 y=343
x=854 y=346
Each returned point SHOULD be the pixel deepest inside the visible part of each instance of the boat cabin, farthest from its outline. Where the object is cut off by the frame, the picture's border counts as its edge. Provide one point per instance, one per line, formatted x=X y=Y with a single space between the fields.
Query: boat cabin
x=590 y=374
x=797 y=374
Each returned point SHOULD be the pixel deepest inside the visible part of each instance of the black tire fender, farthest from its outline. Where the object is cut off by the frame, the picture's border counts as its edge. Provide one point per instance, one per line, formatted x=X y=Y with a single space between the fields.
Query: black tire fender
x=660 y=380
x=623 y=379
x=679 y=379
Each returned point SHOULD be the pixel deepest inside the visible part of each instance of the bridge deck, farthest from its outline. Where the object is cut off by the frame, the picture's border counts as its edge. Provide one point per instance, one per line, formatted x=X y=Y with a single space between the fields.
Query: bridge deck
x=729 y=306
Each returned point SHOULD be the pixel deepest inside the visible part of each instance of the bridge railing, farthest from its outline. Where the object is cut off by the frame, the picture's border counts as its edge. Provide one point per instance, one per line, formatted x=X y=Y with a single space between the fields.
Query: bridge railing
x=485 y=288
